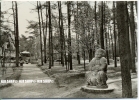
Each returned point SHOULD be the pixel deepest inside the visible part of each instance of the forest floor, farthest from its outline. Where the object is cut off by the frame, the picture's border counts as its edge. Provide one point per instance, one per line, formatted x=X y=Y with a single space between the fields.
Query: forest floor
x=72 y=81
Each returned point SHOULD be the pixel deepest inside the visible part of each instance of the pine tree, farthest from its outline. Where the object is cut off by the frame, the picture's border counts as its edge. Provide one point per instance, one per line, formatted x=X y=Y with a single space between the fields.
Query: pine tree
x=122 y=21
x=132 y=28
x=61 y=32
x=69 y=35
x=40 y=33
x=50 y=35
x=17 y=36
x=114 y=31
x=101 y=28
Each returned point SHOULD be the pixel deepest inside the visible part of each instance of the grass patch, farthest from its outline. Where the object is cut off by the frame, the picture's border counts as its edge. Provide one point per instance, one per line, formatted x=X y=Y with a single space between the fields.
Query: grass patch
x=64 y=77
x=15 y=76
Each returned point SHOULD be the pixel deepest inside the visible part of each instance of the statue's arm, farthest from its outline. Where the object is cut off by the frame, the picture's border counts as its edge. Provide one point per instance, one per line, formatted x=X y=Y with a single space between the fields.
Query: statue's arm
x=90 y=65
x=103 y=62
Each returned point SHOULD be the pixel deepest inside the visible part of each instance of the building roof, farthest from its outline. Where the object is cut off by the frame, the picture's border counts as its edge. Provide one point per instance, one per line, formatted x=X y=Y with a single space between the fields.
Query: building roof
x=25 y=52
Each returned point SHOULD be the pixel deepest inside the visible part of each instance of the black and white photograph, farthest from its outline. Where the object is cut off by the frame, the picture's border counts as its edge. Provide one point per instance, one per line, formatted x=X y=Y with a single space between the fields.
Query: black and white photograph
x=68 y=49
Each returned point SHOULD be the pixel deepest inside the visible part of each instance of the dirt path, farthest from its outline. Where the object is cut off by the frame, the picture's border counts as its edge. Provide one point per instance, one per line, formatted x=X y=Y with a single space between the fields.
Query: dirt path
x=30 y=90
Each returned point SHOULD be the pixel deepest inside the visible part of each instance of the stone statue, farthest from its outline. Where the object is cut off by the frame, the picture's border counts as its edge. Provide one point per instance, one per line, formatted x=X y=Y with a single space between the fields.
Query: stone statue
x=97 y=69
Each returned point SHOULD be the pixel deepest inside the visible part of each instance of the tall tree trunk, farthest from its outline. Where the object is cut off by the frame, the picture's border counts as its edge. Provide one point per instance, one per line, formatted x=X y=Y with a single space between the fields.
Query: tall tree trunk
x=130 y=55
x=122 y=20
x=77 y=35
x=95 y=20
x=136 y=6
x=132 y=28
x=101 y=28
x=63 y=38
x=84 y=57
x=14 y=18
x=40 y=33
x=106 y=37
x=111 y=43
x=0 y=22
x=69 y=34
x=45 y=59
x=17 y=37
x=83 y=49
x=65 y=56
x=0 y=31
x=52 y=57
x=61 y=33
x=44 y=35
x=90 y=54
x=115 y=59
x=52 y=46
x=50 y=36
x=96 y=36
x=107 y=53
x=136 y=43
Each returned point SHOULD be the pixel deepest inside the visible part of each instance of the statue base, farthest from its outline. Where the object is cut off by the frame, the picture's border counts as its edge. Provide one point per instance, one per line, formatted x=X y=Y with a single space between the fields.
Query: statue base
x=94 y=89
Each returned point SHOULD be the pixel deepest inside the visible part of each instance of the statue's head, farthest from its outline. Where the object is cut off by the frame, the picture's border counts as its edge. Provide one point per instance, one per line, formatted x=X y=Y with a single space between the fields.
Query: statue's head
x=100 y=53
